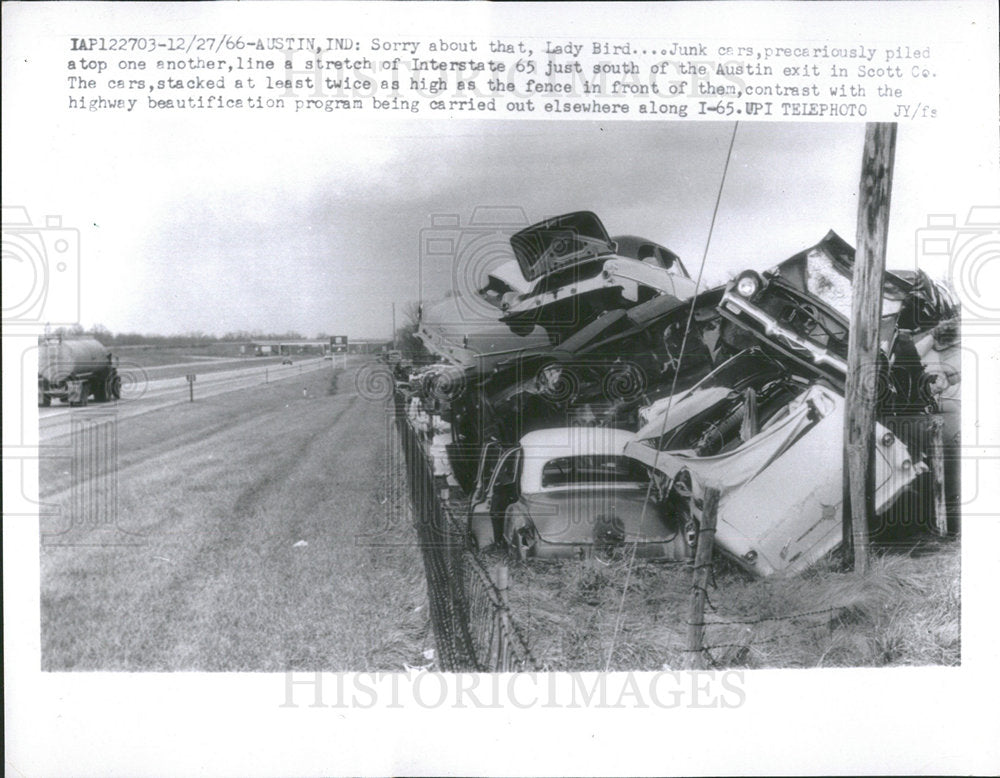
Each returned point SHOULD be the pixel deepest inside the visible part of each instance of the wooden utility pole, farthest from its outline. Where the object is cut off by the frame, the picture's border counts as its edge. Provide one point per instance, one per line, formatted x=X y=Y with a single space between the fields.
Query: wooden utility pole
x=935 y=453
x=861 y=389
x=695 y=654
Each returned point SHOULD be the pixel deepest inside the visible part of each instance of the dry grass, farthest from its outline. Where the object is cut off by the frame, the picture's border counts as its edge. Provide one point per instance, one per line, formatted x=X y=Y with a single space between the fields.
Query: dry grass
x=904 y=612
x=152 y=356
x=334 y=380
x=267 y=534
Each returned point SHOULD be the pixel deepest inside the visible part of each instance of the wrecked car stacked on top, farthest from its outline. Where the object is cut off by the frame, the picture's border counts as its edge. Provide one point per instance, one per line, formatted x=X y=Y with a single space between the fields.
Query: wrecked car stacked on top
x=770 y=440
x=739 y=387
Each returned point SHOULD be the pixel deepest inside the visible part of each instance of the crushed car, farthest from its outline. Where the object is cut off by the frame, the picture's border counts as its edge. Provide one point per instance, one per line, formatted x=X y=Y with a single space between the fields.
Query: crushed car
x=602 y=374
x=802 y=307
x=570 y=492
x=577 y=271
x=564 y=272
x=769 y=436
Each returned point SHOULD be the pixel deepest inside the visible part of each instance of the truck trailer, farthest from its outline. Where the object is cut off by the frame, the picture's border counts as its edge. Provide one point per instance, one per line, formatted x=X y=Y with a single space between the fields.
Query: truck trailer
x=75 y=369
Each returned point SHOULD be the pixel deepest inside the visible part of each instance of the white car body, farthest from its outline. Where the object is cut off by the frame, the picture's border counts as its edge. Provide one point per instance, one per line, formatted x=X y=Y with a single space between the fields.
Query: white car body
x=781 y=489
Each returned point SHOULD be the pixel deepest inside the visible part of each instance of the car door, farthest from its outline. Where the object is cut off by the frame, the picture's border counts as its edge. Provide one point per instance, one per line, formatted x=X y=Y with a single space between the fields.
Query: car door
x=492 y=497
x=479 y=504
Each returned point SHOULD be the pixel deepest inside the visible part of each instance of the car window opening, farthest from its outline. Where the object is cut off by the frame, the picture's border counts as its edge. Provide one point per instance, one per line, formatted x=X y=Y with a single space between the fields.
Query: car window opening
x=592 y=469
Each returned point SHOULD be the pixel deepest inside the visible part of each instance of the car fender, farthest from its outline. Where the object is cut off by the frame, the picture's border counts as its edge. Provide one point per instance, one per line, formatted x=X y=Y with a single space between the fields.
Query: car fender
x=515 y=518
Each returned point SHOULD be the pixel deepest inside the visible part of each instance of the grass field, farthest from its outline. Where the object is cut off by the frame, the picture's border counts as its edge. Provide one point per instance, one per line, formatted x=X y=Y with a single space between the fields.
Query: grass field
x=265 y=529
x=152 y=356
x=904 y=612
x=239 y=540
x=157 y=362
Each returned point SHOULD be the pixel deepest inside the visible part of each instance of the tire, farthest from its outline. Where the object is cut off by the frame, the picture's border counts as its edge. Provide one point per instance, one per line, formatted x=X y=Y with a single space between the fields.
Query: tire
x=116 y=387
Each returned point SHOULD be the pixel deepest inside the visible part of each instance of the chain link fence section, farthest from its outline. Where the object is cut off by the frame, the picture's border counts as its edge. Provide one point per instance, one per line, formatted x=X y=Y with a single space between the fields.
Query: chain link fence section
x=472 y=622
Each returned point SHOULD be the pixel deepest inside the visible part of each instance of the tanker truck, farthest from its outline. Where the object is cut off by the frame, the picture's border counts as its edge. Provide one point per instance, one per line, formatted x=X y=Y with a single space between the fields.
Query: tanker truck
x=73 y=370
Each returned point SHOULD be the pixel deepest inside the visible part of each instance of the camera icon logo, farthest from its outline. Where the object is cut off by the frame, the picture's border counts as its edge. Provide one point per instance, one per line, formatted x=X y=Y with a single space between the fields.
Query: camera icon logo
x=968 y=256
x=465 y=256
x=41 y=270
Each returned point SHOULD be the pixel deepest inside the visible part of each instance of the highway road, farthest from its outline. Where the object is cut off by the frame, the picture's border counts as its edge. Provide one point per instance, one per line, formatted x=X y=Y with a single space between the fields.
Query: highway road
x=261 y=529
x=142 y=392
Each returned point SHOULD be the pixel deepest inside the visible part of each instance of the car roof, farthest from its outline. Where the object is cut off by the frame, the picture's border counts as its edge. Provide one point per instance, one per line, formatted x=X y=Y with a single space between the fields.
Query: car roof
x=542 y=446
x=574 y=441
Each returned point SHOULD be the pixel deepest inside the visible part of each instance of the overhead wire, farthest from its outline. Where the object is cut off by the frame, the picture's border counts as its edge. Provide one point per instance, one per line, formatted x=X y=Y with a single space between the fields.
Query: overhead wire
x=673 y=389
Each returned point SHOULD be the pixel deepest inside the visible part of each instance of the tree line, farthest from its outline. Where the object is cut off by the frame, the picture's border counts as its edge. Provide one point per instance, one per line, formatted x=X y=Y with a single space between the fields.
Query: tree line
x=190 y=339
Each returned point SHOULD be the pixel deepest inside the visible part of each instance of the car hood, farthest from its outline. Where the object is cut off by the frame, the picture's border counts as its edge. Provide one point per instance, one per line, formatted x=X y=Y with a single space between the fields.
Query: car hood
x=732 y=470
x=826 y=271
x=560 y=242
x=574 y=515
x=781 y=491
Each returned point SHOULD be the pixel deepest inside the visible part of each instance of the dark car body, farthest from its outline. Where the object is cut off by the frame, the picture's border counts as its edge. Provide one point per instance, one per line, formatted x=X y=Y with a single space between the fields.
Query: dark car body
x=600 y=374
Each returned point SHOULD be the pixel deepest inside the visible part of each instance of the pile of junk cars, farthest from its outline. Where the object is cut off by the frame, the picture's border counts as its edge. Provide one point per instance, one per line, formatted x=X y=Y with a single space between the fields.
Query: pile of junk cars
x=597 y=393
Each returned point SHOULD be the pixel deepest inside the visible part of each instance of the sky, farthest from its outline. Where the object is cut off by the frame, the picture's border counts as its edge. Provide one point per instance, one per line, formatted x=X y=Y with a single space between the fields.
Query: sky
x=202 y=223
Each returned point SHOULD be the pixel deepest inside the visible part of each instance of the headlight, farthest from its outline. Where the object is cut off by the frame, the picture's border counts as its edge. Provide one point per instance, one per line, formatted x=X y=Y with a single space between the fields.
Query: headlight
x=748 y=285
x=887 y=439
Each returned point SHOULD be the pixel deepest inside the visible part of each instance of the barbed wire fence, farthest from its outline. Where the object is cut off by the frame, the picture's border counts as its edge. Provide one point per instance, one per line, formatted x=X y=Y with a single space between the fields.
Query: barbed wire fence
x=476 y=628
x=471 y=618
x=714 y=641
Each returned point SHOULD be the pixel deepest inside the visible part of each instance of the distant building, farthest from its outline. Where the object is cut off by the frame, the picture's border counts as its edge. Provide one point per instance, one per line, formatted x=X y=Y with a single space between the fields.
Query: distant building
x=266 y=348
x=274 y=348
x=368 y=346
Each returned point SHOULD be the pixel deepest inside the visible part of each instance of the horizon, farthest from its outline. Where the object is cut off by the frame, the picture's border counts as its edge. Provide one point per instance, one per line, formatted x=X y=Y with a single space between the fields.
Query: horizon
x=325 y=236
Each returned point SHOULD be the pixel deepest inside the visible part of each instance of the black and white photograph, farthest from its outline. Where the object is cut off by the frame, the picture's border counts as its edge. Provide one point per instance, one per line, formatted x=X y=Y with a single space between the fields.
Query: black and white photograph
x=553 y=407
x=487 y=409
